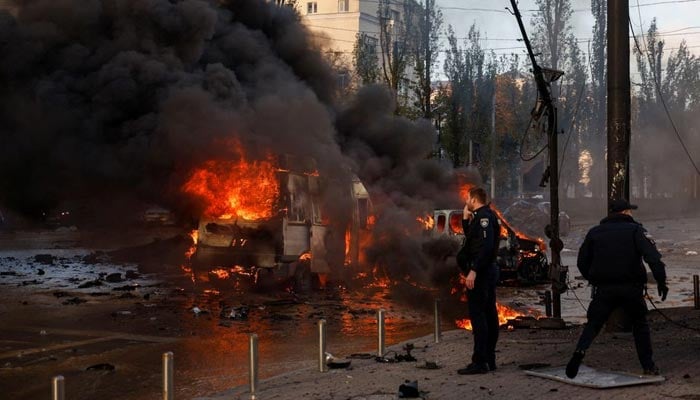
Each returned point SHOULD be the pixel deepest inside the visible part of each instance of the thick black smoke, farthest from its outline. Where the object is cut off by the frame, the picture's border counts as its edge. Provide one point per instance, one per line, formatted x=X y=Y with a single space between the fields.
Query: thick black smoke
x=125 y=96
x=115 y=101
x=391 y=157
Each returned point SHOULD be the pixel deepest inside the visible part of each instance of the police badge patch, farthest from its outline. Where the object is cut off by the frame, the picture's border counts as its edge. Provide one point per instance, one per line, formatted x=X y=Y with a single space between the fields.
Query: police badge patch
x=484 y=222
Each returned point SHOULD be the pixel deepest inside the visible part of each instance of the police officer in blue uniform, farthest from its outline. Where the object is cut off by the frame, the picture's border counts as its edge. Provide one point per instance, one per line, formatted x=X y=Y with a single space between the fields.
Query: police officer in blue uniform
x=610 y=258
x=477 y=260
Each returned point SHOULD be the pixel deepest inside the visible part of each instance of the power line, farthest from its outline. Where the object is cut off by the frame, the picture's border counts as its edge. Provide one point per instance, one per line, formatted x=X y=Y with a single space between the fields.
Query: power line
x=661 y=97
x=583 y=39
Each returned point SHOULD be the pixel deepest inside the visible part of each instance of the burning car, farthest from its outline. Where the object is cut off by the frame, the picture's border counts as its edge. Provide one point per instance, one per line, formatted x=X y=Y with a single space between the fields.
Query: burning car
x=281 y=227
x=521 y=258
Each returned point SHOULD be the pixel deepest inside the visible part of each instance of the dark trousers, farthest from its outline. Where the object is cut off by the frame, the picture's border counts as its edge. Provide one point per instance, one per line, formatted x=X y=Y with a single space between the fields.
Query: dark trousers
x=484 y=317
x=631 y=299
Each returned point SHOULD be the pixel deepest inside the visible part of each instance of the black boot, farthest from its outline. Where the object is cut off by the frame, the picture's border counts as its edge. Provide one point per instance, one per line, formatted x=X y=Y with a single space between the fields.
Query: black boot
x=474 y=369
x=653 y=370
x=574 y=364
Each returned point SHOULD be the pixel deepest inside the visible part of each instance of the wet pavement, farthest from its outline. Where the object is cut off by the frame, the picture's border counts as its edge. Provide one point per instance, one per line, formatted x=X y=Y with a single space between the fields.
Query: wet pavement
x=65 y=308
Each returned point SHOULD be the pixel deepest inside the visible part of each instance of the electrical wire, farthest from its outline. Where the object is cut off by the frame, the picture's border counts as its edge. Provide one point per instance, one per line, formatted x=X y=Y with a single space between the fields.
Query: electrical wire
x=569 y=284
x=661 y=97
x=522 y=143
x=648 y=298
x=666 y=317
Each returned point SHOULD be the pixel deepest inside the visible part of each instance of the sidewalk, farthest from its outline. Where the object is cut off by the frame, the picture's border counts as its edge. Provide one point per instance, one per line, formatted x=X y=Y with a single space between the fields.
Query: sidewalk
x=677 y=352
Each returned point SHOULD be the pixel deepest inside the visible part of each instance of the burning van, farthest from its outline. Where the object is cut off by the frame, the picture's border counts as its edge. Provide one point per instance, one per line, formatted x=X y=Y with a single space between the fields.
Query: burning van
x=521 y=258
x=286 y=230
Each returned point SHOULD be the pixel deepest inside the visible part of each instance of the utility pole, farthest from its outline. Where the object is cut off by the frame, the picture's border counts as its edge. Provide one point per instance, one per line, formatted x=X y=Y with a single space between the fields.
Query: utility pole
x=543 y=78
x=427 y=89
x=619 y=117
x=619 y=114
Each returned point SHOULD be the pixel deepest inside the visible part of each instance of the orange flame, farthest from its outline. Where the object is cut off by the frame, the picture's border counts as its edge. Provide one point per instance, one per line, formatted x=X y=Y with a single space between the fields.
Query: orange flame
x=348 y=238
x=464 y=191
x=520 y=235
x=505 y=314
x=220 y=273
x=243 y=188
x=371 y=220
x=195 y=236
x=428 y=222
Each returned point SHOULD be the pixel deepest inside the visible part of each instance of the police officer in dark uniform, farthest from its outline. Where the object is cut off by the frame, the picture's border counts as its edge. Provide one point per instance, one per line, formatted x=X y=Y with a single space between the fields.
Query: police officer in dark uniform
x=610 y=258
x=477 y=260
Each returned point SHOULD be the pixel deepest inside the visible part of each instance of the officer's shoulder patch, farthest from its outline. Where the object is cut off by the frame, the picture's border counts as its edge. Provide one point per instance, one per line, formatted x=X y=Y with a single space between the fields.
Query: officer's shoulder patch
x=484 y=222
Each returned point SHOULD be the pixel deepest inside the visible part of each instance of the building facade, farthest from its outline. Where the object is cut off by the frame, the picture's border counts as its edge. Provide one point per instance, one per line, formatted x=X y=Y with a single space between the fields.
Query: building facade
x=337 y=23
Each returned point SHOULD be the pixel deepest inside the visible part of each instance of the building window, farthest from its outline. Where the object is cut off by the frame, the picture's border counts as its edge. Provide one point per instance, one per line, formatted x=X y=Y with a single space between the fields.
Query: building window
x=343 y=5
x=311 y=7
x=395 y=15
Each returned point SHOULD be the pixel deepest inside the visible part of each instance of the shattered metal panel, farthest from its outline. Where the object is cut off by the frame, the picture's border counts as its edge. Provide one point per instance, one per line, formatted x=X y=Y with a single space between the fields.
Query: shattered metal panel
x=591 y=377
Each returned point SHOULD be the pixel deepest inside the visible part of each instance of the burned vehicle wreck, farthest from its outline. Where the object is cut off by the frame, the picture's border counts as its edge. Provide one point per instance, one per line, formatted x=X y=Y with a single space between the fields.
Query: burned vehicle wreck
x=289 y=236
x=522 y=259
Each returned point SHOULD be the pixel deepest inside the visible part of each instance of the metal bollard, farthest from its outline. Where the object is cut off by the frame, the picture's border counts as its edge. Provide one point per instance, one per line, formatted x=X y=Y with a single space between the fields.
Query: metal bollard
x=168 y=371
x=253 y=366
x=696 y=291
x=380 y=333
x=58 y=390
x=548 y=303
x=438 y=328
x=322 y=345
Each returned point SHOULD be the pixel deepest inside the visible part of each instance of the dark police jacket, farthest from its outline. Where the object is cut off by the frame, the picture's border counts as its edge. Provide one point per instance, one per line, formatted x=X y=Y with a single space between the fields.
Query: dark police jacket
x=481 y=237
x=612 y=253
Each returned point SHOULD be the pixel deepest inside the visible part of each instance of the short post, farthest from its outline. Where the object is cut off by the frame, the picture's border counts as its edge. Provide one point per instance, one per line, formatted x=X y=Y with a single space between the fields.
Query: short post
x=548 y=303
x=556 y=302
x=58 y=390
x=380 y=333
x=322 y=345
x=696 y=291
x=253 y=358
x=168 y=370
x=438 y=328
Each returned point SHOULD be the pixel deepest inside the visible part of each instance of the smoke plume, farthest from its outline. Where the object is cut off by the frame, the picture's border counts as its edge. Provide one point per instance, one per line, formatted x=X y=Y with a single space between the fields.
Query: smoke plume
x=115 y=101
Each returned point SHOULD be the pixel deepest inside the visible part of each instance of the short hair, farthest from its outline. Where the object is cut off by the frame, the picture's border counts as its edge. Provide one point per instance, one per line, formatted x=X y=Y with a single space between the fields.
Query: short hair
x=479 y=194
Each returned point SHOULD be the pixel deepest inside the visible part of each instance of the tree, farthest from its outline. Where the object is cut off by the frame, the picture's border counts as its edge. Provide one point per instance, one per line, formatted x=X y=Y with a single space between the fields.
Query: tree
x=553 y=38
x=396 y=32
x=425 y=48
x=676 y=88
x=596 y=138
x=468 y=99
x=514 y=94
x=366 y=59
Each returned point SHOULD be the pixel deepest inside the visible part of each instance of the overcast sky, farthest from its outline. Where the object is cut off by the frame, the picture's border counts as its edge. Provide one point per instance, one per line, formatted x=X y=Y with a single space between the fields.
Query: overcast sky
x=500 y=29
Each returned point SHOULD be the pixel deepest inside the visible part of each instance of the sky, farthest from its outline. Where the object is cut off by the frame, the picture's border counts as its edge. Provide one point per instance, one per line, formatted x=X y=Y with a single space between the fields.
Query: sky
x=677 y=19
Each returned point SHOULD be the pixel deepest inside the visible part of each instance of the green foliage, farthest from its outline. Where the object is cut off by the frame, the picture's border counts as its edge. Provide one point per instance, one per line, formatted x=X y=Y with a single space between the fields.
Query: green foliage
x=467 y=101
x=366 y=59
x=679 y=86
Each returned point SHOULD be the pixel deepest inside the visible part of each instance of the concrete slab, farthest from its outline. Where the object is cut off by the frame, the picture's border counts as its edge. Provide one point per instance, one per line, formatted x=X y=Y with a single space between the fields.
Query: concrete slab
x=595 y=378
